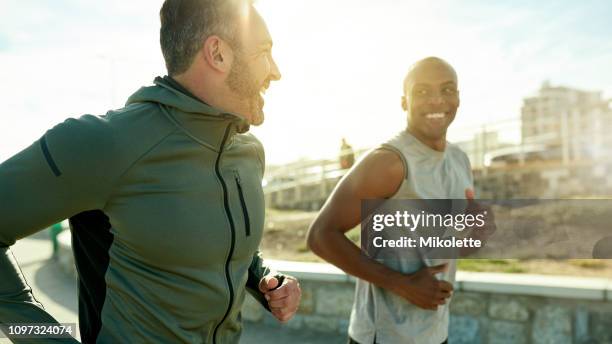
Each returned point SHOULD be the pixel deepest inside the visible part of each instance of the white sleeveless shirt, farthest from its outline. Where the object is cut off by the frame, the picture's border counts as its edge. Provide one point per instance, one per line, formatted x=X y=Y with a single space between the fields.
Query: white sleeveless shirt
x=380 y=315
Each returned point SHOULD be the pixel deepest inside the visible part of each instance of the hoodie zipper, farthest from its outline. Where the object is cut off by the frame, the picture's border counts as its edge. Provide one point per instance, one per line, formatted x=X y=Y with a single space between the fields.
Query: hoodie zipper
x=233 y=234
x=245 y=212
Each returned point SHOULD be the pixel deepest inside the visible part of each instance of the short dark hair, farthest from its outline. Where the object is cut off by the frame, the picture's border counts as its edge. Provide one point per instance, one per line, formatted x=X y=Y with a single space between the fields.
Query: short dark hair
x=186 y=24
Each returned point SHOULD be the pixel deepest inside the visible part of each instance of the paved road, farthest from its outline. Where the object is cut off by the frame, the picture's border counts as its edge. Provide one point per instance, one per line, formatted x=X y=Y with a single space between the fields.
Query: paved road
x=57 y=292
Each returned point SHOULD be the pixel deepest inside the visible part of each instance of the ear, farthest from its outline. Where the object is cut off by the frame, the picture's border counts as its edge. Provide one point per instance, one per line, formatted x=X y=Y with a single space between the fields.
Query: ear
x=404 y=103
x=217 y=54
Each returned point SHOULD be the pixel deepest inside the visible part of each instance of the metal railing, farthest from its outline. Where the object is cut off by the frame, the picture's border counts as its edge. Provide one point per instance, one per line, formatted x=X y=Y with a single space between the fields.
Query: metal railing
x=566 y=139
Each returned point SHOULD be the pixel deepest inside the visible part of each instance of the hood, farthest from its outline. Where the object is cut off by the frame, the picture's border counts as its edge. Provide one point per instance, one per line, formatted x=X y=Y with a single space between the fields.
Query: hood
x=163 y=92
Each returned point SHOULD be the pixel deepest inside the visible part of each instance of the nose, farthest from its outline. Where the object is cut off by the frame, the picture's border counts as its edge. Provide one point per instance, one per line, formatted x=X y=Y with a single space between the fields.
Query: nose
x=275 y=73
x=436 y=99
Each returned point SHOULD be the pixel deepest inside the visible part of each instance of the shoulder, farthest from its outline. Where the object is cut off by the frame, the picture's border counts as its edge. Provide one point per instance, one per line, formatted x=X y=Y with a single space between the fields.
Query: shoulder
x=146 y=119
x=114 y=139
x=386 y=161
x=458 y=153
x=379 y=174
x=87 y=134
x=133 y=124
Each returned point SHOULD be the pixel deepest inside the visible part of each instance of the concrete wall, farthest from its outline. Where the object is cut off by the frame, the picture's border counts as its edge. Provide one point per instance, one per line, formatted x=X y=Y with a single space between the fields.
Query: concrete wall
x=486 y=307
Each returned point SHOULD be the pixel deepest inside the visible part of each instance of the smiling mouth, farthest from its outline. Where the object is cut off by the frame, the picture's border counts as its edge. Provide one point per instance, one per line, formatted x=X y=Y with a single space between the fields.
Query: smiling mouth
x=435 y=115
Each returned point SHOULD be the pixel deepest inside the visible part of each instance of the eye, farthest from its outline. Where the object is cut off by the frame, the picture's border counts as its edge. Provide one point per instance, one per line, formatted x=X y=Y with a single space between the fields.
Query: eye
x=421 y=92
x=449 y=91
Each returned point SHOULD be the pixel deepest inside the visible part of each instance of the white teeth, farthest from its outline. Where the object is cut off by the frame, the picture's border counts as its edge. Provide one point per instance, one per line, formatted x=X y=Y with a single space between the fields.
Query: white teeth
x=435 y=115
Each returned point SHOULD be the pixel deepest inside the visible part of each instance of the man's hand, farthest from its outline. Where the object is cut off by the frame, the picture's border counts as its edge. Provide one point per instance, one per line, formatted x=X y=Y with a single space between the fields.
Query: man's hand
x=480 y=233
x=283 y=300
x=423 y=289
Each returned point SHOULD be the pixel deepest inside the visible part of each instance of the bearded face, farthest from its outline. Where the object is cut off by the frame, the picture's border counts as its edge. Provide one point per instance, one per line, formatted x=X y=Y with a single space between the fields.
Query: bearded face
x=252 y=68
x=243 y=82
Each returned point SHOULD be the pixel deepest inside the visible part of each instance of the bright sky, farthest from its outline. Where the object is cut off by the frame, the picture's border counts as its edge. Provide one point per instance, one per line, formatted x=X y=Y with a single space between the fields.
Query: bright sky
x=342 y=62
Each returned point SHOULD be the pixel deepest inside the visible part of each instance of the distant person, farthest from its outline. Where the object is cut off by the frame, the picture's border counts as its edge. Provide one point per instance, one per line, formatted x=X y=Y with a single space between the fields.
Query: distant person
x=347 y=156
x=404 y=303
x=164 y=195
x=54 y=231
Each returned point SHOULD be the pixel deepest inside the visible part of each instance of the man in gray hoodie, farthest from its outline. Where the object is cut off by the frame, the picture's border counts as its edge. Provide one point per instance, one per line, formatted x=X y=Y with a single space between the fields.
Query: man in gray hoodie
x=164 y=195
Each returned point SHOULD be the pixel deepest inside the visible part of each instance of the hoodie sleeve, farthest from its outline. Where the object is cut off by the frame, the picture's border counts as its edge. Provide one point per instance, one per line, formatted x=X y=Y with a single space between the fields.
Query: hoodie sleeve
x=67 y=171
x=257 y=270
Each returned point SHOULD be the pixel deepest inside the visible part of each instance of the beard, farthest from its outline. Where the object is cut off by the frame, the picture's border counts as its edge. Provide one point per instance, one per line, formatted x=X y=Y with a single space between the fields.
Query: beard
x=242 y=82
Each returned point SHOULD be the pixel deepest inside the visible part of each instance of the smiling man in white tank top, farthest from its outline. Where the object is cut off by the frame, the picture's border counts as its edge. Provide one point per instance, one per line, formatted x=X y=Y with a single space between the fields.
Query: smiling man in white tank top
x=400 y=301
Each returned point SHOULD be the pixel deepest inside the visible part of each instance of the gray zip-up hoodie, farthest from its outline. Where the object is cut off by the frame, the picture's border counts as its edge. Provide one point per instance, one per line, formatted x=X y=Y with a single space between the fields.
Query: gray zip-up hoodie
x=179 y=185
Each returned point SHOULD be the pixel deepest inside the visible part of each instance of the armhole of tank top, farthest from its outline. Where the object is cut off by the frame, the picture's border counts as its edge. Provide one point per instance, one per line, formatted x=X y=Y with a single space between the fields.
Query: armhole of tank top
x=399 y=153
x=468 y=167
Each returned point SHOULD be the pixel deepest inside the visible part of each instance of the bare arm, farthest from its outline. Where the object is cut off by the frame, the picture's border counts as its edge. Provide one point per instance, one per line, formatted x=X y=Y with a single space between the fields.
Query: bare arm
x=378 y=176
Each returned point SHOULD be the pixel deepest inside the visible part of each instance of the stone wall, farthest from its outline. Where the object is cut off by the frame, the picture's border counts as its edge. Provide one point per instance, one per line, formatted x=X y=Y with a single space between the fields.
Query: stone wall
x=486 y=307
x=500 y=318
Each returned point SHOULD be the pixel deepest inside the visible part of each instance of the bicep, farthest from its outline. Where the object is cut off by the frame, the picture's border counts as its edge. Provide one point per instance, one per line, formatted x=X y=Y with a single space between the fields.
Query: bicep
x=376 y=177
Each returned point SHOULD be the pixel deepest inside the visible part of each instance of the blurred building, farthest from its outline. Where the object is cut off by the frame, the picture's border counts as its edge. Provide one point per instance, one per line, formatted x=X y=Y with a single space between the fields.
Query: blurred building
x=481 y=144
x=568 y=124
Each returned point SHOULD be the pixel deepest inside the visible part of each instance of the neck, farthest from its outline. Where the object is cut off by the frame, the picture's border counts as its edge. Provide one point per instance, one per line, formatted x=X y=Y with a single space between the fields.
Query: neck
x=437 y=144
x=213 y=92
